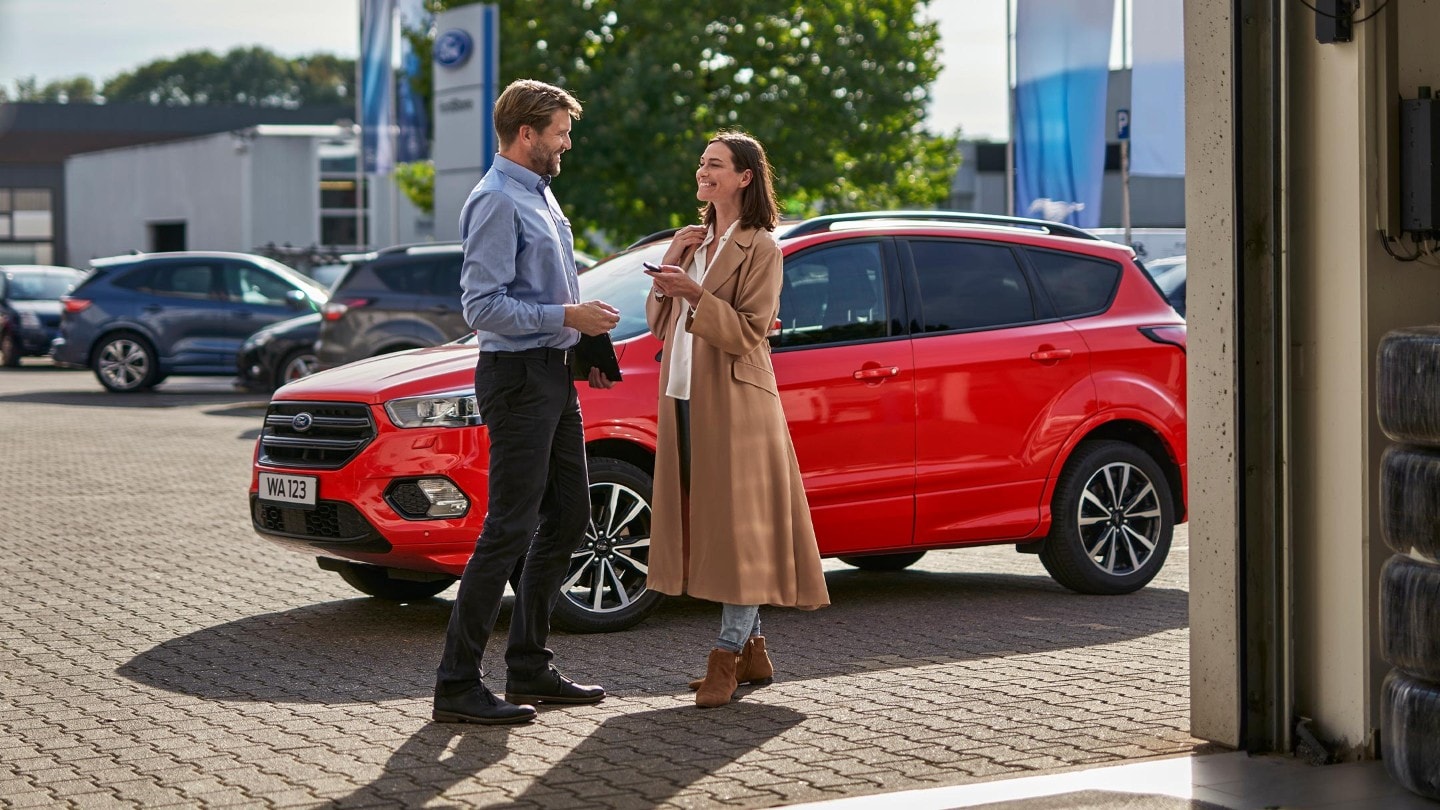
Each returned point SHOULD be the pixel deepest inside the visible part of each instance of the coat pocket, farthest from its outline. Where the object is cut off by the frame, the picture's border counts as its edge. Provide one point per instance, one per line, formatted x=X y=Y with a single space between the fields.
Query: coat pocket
x=758 y=376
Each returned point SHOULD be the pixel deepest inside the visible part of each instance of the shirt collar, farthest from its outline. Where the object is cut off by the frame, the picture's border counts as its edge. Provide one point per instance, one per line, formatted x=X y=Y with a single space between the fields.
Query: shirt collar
x=521 y=174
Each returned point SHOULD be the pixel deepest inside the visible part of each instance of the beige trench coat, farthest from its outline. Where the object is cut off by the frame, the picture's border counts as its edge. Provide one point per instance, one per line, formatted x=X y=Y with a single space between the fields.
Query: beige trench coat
x=750 y=540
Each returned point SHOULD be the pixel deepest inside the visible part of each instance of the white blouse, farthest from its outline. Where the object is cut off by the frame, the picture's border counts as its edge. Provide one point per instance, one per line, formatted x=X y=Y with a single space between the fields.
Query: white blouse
x=681 y=341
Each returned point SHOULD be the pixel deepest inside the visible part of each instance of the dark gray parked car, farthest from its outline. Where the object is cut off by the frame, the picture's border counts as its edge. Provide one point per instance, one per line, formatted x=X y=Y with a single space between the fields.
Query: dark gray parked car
x=138 y=319
x=30 y=308
x=399 y=298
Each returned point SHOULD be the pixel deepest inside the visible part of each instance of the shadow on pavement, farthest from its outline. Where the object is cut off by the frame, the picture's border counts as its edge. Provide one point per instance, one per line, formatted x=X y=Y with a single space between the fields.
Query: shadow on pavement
x=174 y=398
x=358 y=650
x=616 y=762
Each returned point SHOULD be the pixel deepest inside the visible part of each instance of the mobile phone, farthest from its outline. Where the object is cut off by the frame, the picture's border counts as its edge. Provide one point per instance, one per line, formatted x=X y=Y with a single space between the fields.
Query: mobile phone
x=650 y=266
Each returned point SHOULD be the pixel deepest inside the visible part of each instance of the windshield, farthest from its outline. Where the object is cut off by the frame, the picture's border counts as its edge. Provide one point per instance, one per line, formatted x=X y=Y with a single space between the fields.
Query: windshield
x=313 y=289
x=621 y=282
x=46 y=286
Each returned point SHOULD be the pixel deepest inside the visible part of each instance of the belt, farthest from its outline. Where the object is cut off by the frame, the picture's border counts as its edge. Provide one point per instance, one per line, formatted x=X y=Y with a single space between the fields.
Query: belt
x=546 y=353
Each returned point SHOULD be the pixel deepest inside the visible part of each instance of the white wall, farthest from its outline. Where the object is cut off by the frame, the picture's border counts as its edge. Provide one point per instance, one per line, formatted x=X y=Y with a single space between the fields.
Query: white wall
x=284 y=192
x=112 y=196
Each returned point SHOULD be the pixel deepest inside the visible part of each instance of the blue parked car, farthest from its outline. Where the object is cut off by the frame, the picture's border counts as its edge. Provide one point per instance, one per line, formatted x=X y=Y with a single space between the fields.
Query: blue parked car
x=30 y=308
x=140 y=318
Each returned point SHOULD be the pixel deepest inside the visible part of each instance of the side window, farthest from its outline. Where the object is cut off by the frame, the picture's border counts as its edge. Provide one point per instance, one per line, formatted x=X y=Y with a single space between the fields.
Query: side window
x=446 y=280
x=251 y=285
x=406 y=276
x=967 y=285
x=195 y=281
x=136 y=279
x=832 y=295
x=1077 y=285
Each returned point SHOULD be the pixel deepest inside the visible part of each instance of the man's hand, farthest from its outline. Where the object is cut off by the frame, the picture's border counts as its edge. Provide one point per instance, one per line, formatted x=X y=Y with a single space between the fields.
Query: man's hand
x=591 y=317
x=599 y=380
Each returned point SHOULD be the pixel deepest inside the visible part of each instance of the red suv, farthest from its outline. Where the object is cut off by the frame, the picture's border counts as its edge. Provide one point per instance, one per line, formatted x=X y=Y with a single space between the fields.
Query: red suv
x=950 y=380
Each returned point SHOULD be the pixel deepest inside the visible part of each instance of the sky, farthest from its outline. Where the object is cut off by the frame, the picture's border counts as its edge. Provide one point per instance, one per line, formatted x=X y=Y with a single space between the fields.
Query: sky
x=53 y=39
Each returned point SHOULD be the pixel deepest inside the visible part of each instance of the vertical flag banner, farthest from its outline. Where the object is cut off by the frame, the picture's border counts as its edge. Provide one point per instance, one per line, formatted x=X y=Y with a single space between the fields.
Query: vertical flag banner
x=376 y=111
x=1062 y=61
x=412 y=120
x=1157 y=90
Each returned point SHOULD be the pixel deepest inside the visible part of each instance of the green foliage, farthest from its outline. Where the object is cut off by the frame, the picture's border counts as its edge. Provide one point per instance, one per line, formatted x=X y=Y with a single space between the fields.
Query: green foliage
x=417 y=180
x=249 y=76
x=835 y=89
x=74 y=90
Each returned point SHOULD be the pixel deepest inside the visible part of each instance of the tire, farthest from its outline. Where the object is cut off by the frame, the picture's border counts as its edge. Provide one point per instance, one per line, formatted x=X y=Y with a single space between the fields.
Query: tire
x=1112 y=520
x=9 y=350
x=1410 y=732
x=884 y=562
x=375 y=581
x=298 y=363
x=125 y=363
x=1409 y=605
x=1407 y=381
x=605 y=589
x=1410 y=500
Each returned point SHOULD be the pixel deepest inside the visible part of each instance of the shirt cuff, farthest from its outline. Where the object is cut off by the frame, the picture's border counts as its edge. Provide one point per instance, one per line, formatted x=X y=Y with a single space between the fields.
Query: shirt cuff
x=552 y=318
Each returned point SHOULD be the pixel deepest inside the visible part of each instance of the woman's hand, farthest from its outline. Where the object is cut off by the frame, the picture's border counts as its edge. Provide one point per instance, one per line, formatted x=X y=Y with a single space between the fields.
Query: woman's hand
x=687 y=238
x=673 y=282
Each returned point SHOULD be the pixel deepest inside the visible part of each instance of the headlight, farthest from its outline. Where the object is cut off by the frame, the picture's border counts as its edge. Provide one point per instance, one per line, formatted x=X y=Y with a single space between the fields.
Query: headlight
x=444 y=410
x=29 y=320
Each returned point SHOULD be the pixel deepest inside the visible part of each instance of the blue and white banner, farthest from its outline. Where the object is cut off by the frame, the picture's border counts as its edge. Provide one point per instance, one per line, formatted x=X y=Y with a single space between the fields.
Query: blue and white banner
x=1157 y=89
x=1062 y=62
x=376 y=107
x=412 y=138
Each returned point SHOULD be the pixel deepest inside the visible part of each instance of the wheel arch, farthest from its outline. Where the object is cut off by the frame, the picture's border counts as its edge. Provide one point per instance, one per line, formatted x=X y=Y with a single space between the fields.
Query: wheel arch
x=625 y=450
x=1134 y=431
x=118 y=327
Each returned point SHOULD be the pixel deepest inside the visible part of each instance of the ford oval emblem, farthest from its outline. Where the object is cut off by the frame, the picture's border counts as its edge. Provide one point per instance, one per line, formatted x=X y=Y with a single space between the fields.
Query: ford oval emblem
x=302 y=422
x=453 y=47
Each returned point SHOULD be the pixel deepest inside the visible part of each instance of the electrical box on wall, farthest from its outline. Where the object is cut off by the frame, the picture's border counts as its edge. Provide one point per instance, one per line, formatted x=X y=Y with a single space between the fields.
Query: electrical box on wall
x=1419 y=164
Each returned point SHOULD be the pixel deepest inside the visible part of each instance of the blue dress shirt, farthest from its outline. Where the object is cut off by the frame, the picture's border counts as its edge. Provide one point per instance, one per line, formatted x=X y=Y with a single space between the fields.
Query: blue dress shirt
x=519 y=268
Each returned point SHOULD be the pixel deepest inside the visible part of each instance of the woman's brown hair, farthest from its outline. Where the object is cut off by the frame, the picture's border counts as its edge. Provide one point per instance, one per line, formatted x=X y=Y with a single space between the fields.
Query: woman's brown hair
x=757 y=200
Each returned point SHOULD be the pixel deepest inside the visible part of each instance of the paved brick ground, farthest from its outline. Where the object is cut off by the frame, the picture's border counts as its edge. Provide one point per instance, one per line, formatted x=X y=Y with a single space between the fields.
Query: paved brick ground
x=154 y=653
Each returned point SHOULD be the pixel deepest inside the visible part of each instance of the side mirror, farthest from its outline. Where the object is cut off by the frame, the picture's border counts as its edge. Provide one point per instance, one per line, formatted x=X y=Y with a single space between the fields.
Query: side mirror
x=297 y=299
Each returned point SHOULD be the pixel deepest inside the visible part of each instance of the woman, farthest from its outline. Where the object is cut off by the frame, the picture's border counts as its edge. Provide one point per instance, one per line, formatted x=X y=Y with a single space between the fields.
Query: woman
x=730 y=520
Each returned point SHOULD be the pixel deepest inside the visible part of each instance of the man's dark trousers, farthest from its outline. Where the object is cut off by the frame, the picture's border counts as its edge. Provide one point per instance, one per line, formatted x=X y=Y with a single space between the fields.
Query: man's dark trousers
x=537 y=478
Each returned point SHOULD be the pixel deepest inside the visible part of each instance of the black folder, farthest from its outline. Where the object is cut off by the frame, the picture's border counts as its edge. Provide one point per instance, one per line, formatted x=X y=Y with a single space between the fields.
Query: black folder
x=595 y=351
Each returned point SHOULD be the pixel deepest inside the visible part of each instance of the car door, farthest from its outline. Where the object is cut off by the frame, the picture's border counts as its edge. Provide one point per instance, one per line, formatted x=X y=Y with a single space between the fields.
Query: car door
x=846 y=383
x=1000 y=382
x=443 y=307
x=187 y=311
x=257 y=298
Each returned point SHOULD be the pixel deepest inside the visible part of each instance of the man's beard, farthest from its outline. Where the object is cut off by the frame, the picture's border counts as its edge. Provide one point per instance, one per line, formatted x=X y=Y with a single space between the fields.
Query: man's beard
x=549 y=160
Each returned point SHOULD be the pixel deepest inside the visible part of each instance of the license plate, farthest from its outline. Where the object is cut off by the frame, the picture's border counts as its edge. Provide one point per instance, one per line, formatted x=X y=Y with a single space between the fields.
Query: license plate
x=296 y=489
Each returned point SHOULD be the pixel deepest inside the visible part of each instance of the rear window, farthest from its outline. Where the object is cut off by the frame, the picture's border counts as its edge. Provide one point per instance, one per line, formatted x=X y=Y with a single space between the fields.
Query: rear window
x=1077 y=285
x=968 y=285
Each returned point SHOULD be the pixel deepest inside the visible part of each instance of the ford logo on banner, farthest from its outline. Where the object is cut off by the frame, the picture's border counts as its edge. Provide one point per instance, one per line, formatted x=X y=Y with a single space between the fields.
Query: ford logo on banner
x=452 y=48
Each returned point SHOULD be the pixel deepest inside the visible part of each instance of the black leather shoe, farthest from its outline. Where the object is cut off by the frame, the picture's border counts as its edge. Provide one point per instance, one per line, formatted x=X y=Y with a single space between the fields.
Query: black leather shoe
x=479 y=705
x=550 y=687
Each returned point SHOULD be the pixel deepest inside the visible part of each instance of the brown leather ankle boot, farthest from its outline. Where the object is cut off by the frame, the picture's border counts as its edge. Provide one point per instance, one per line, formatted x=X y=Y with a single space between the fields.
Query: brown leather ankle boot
x=754 y=666
x=719 y=684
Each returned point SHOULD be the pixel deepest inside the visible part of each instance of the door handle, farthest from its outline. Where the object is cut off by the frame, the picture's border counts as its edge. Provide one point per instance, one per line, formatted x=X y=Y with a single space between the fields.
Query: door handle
x=876 y=373
x=1050 y=355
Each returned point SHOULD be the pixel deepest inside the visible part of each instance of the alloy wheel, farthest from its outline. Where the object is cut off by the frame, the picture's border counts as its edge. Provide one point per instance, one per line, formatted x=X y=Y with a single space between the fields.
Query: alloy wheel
x=124 y=363
x=299 y=366
x=609 y=571
x=1119 y=518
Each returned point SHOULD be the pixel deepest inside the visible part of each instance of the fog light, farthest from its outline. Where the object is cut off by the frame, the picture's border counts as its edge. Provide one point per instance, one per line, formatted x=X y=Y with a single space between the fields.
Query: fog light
x=427 y=499
x=446 y=499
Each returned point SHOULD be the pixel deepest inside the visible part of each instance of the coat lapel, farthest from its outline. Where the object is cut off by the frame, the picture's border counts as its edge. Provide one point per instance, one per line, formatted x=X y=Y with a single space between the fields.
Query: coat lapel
x=729 y=259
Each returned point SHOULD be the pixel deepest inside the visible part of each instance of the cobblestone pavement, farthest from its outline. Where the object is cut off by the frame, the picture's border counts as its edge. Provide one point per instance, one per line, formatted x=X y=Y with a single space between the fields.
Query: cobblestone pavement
x=154 y=652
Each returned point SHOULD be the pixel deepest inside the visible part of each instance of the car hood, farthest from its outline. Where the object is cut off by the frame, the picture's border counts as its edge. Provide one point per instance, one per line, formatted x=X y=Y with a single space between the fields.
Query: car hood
x=417 y=372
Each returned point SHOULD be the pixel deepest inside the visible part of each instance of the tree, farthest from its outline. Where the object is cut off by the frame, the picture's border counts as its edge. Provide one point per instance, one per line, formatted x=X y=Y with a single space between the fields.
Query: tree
x=835 y=89
x=74 y=90
x=247 y=76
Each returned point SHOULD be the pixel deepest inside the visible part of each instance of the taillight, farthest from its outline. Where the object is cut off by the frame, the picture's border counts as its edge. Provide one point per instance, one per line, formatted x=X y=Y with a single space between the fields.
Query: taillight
x=74 y=305
x=335 y=310
x=1172 y=334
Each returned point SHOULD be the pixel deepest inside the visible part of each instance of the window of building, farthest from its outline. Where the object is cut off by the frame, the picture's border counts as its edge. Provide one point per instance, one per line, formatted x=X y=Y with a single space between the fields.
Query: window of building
x=27 y=225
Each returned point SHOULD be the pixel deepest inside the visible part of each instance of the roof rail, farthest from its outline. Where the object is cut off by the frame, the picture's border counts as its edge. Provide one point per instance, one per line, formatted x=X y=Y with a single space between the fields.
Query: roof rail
x=824 y=223
x=653 y=237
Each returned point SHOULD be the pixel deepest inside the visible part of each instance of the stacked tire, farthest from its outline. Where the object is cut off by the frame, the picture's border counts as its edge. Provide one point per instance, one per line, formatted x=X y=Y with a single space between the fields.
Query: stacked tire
x=1408 y=390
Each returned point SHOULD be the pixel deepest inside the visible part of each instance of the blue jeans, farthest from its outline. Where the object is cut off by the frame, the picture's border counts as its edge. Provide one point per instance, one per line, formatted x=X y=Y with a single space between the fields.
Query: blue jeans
x=737 y=624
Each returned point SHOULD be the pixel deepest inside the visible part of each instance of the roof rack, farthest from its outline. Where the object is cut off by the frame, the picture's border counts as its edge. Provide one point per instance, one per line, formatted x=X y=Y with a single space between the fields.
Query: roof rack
x=824 y=223
x=652 y=237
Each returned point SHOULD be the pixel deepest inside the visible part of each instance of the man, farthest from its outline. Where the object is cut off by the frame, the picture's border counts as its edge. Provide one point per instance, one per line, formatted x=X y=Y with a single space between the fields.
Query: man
x=520 y=293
